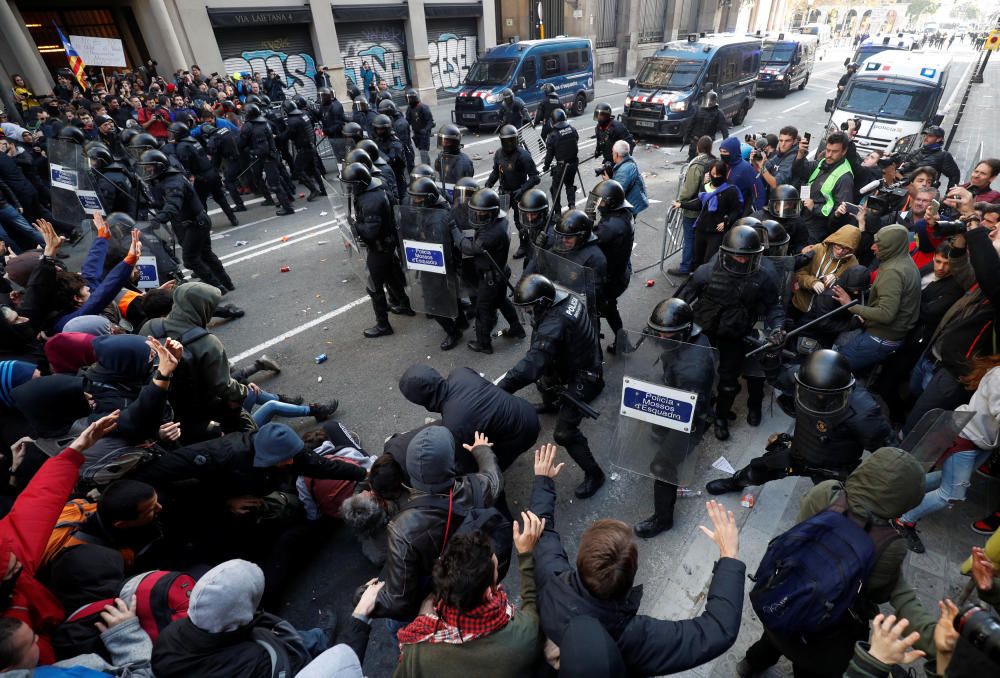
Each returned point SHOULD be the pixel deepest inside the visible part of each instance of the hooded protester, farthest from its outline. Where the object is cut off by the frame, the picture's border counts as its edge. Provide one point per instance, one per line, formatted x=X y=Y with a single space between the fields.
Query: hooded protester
x=886 y=484
x=19 y=340
x=719 y=206
x=829 y=260
x=893 y=307
x=52 y=405
x=68 y=352
x=224 y=635
x=741 y=172
x=856 y=281
x=96 y=325
x=469 y=403
x=123 y=365
x=417 y=535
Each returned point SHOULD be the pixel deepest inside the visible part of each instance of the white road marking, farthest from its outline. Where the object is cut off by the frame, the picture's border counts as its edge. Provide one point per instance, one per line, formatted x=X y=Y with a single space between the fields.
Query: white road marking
x=256 y=350
x=225 y=233
x=276 y=240
x=253 y=255
x=800 y=105
x=251 y=201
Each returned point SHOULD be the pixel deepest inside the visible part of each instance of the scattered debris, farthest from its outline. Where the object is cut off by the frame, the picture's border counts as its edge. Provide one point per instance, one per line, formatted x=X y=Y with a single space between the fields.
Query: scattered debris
x=240 y=243
x=723 y=465
x=321 y=358
x=650 y=282
x=285 y=269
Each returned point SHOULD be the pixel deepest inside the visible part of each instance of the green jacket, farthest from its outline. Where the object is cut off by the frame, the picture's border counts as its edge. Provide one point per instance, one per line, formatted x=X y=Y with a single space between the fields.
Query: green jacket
x=511 y=652
x=694 y=181
x=894 y=301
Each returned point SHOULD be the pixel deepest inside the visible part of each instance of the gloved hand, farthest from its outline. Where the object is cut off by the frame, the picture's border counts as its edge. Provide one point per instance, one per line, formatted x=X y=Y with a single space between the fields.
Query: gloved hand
x=818 y=287
x=776 y=338
x=541 y=239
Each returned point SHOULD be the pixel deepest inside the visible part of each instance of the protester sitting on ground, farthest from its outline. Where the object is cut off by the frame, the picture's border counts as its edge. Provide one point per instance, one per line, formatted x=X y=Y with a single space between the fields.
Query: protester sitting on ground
x=829 y=260
x=601 y=586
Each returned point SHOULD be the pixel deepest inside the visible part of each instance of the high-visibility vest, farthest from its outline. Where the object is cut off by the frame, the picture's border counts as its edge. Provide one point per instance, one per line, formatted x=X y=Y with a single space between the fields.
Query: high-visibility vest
x=827 y=188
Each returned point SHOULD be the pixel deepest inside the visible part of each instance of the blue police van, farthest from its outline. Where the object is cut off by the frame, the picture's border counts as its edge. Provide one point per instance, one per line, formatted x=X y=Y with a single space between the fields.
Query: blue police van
x=566 y=63
x=664 y=96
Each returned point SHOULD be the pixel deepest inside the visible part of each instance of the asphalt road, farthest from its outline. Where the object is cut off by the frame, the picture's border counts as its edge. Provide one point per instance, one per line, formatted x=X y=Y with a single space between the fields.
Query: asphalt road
x=320 y=306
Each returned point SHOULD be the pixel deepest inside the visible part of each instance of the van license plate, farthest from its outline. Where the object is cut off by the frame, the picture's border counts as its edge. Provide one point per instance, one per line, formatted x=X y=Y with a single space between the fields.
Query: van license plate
x=468 y=116
x=645 y=123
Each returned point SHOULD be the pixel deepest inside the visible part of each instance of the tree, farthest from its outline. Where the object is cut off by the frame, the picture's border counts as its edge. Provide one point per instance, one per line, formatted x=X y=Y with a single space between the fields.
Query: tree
x=968 y=11
x=918 y=8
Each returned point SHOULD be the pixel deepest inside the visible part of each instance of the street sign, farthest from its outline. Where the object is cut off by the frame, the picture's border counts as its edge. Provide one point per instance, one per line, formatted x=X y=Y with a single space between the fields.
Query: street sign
x=992 y=43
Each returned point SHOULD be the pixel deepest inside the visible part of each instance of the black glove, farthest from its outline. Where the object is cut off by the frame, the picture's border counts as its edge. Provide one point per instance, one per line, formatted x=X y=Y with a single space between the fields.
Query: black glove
x=776 y=338
x=541 y=238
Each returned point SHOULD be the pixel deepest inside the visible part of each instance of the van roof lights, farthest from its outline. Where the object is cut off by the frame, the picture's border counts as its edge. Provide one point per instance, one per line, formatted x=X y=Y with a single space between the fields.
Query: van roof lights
x=693 y=37
x=781 y=36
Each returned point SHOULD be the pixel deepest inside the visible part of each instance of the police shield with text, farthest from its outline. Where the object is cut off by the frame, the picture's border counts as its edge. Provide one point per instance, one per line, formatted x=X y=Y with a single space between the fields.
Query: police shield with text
x=563 y=363
x=516 y=172
x=666 y=375
x=561 y=144
x=68 y=166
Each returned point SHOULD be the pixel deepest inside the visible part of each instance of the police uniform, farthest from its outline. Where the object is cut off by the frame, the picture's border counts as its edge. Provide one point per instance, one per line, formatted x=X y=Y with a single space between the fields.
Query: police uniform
x=451 y=167
x=607 y=135
x=258 y=140
x=226 y=158
x=332 y=118
x=375 y=224
x=544 y=112
x=562 y=144
x=299 y=131
x=515 y=113
x=422 y=124
x=401 y=129
x=192 y=155
x=116 y=188
x=615 y=235
x=516 y=173
x=391 y=149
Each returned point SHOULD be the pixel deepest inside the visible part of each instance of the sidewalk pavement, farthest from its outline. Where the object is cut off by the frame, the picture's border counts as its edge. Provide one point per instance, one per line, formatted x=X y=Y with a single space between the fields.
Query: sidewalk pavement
x=977 y=129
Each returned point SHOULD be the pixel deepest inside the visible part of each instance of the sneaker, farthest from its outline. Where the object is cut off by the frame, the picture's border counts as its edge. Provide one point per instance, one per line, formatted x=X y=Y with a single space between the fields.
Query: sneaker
x=291 y=400
x=323 y=411
x=990 y=468
x=265 y=364
x=908 y=531
x=678 y=271
x=987 y=525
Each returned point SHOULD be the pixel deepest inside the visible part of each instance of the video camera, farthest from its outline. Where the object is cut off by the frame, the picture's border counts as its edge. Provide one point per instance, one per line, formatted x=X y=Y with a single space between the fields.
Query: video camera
x=881 y=196
x=981 y=629
x=946 y=229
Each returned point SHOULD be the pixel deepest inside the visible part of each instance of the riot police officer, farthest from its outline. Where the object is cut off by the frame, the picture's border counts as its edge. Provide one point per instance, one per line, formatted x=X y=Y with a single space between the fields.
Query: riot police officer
x=615 y=235
x=534 y=209
x=784 y=206
x=225 y=155
x=423 y=192
x=608 y=131
x=561 y=144
x=175 y=132
x=516 y=172
x=512 y=110
x=373 y=220
x=299 y=131
x=353 y=133
x=401 y=128
x=451 y=163
x=544 y=111
x=390 y=148
x=836 y=420
x=421 y=122
x=575 y=241
x=258 y=140
x=193 y=157
x=422 y=170
x=380 y=169
x=489 y=248
x=275 y=117
x=774 y=238
x=113 y=181
x=563 y=358
x=732 y=294
x=178 y=204
x=364 y=115
x=332 y=119
x=687 y=365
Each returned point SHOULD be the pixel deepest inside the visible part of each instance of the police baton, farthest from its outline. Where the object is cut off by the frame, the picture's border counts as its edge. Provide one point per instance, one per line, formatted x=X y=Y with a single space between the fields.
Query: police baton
x=809 y=324
x=249 y=167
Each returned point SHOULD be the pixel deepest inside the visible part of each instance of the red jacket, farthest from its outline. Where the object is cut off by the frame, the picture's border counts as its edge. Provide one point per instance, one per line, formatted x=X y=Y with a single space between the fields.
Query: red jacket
x=26 y=531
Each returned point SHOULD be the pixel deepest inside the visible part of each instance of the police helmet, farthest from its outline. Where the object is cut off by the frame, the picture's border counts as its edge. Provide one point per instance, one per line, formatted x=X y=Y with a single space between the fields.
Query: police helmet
x=449 y=139
x=352 y=130
x=575 y=225
x=228 y=106
x=673 y=317
x=127 y=134
x=741 y=250
x=361 y=104
x=358 y=155
x=356 y=177
x=289 y=107
x=254 y=99
x=72 y=134
x=824 y=383
x=412 y=98
x=507 y=95
x=120 y=223
x=853 y=66
x=387 y=107
x=538 y=292
x=153 y=164
x=747 y=221
x=464 y=189
x=99 y=156
x=557 y=116
x=325 y=95
x=251 y=112
x=423 y=192
x=384 y=95
x=606 y=196
x=508 y=138
x=178 y=131
x=548 y=88
x=422 y=170
x=208 y=129
x=300 y=102
x=602 y=112
x=775 y=238
x=785 y=202
x=265 y=101
x=484 y=207
x=534 y=206
x=710 y=99
x=371 y=148
x=140 y=143
x=382 y=126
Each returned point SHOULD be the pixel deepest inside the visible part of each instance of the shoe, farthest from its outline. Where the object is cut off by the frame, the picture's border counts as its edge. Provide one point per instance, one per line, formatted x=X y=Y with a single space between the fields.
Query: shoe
x=229 y=286
x=744 y=670
x=451 y=341
x=511 y=333
x=480 y=348
x=284 y=211
x=991 y=468
x=522 y=250
x=908 y=531
x=987 y=525
x=677 y=271
x=724 y=485
x=265 y=364
x=753 y=417
x=268 y=203
x=378 y=331
x=545 y=408
x=721 y=428
x=323 y=411
x=652 y=526
x=787 y=404
x=313 y=196
x=591 y=484
x=291 y=400
x=234 y=221
x=240 y=208
x=402 y=310
x=229 y=311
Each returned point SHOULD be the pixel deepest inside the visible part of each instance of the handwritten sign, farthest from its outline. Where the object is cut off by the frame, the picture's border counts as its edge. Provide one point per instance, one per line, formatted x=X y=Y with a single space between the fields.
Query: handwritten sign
x=424 y=256
x=659 y=405
x=99 y=51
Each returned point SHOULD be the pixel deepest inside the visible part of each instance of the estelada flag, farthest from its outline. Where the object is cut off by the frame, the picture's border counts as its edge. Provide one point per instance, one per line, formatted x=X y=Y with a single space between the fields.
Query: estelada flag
x=75 y=62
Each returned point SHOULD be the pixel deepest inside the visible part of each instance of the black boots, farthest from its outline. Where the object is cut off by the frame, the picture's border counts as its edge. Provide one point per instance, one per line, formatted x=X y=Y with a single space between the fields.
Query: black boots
x=735 y=483
x=382 y=328
x=474 y=345
x=653 y=526
x=592 y=482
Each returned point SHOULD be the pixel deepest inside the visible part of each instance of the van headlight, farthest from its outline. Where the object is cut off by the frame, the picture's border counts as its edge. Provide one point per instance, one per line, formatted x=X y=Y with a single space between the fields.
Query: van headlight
x=493 y=98
x=903 y=143
x=679 y=106
x=628 y=101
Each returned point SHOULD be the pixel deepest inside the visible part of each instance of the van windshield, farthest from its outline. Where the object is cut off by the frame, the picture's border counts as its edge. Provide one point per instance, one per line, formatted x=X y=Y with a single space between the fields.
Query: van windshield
x=778 y=52
x=889 y=100
x=491 y=72
x=669 y=73
x=870 y=51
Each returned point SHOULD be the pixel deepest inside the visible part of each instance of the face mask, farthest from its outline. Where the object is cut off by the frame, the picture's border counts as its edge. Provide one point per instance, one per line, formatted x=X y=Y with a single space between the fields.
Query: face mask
x=718 y=181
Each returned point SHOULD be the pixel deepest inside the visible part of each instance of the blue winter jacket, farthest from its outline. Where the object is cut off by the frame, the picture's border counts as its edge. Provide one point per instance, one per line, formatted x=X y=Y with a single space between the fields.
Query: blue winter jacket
x=741 y=173
x=627 y=174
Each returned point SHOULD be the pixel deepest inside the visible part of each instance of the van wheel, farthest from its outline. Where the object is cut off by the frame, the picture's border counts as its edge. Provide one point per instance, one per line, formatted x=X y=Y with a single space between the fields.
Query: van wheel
x=805 y=82
x=741 y=114
x=787 y=89
x=579 y=104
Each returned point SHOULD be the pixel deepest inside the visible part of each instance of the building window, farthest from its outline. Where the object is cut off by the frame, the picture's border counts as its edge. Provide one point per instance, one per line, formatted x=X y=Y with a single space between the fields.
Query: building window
x=607 y=24
x=652 y=16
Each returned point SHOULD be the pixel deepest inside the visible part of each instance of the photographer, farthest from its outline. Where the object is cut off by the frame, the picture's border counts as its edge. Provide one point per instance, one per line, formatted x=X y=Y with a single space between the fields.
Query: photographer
x=932 y=154
x=776 y=167
x=155 y=118
x=626 y=173
x=831 y=182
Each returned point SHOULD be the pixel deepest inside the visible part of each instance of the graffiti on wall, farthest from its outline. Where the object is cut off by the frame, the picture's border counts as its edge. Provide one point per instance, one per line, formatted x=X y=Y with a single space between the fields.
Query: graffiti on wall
x=384 y=48
x=297 y=70
x=451 y=57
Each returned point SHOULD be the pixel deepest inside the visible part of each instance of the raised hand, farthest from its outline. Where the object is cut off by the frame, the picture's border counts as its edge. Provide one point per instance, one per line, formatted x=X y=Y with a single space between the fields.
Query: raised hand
x=725 y=535
x=545 y=457
x=525 y=538
x=477 y=440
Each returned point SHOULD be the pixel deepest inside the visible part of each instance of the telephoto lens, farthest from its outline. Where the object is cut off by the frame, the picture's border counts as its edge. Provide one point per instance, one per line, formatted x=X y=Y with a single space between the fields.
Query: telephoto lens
x=981 y=629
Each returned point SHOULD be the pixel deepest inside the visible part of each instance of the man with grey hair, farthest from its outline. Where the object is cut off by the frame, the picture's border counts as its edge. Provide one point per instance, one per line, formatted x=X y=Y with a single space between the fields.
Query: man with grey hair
x=626 y=173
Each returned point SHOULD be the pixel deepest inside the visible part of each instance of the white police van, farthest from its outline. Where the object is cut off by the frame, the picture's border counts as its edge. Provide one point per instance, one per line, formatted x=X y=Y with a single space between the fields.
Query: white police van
x=893 y=96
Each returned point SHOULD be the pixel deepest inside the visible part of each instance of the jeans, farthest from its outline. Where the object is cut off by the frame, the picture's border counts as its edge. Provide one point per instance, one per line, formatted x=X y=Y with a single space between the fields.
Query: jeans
x=687 y=254
x=948 y=484
x=920 y=377
x=13 y=222
x=271 y=407
x=864 y=352
x=315 y=641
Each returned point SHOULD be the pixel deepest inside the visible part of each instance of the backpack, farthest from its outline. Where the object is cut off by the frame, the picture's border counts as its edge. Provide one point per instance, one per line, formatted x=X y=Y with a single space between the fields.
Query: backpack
x=66 y=532
x=110 y=459
x=282 y=643
x=161 y=598
x=797 y=590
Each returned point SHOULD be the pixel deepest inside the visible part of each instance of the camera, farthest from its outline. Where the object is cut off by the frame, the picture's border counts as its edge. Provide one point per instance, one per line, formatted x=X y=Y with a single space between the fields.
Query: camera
x=949 y=228
x=887 y=160
x=981 y=629
x=607 y=167
x=844 y=126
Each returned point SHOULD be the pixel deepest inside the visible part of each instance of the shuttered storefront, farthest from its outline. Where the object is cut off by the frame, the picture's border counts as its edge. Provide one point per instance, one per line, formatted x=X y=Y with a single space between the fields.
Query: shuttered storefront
x=374 y=33
x=452 y=37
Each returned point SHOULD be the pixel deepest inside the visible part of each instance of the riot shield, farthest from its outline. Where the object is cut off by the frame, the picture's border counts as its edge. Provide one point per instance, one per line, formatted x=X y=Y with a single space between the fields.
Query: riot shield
x=935 y=433
x=429 y=262
x=531 y=139
x=568 y=274
x=664 y=399
x=68 y=172
x=340 y=211
x=784 y=270
x=467 y=275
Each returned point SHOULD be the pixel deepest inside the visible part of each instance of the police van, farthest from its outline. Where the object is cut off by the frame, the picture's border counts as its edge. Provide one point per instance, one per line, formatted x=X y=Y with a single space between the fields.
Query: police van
x=566 y=63
x=876 y=44
x=665 y=94
x=786 y=62
x=894 y=95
